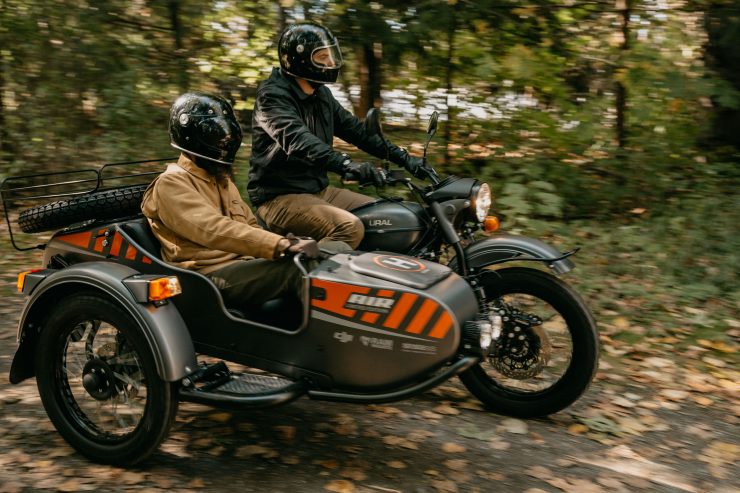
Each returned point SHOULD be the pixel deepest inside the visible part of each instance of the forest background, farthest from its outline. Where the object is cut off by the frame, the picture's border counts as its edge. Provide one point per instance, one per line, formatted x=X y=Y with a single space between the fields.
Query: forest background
x=609 y=124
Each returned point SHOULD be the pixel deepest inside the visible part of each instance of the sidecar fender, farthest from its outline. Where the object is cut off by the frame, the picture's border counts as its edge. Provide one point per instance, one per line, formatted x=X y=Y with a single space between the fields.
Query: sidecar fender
x=502 y=248
x=163 y=327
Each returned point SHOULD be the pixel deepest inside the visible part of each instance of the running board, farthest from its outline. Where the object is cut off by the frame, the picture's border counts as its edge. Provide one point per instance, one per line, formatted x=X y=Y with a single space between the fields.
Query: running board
x=245 y=391
x=459 y=366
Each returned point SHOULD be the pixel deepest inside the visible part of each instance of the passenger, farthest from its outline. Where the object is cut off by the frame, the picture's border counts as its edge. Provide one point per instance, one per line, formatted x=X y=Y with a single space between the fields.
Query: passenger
x=294 y=123
x=201 y=221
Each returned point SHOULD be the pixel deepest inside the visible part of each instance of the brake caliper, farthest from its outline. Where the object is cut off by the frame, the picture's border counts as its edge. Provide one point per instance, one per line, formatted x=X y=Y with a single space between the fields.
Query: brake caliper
x=522 y=350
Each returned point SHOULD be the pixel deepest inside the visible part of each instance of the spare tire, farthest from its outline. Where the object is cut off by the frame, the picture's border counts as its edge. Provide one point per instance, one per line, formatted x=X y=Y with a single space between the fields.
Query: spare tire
x=104 y=204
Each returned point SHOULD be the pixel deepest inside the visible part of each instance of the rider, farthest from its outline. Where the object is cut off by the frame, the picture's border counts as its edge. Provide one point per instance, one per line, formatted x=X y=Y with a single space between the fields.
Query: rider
x=201 y=221
x=294 y=122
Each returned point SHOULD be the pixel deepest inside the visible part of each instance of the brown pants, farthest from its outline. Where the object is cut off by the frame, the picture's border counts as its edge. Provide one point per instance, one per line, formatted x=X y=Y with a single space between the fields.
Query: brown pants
x=322 y=216
x=245 y=284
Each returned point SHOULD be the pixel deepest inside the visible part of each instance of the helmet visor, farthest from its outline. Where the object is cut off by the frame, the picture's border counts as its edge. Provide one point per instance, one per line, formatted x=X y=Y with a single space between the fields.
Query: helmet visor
x=327 y=57
x=221 y=138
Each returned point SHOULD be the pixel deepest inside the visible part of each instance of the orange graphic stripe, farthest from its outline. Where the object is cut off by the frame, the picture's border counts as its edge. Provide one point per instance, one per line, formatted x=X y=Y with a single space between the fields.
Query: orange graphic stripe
x=146 y=260
x=337 y=295
x=99 y=244
x=370 y=317
x=422 y=317
x=115 y=248
x=81 y=240
x=385 y=293
x=443 y=325
x=131 y=253
x=403 y=305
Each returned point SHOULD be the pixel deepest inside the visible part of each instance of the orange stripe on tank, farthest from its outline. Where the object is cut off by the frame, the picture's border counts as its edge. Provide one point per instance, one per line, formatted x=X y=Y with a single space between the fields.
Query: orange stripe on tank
x=385 y=293
x=400 y=310
x=443 y=325
x=81 y=240
x=420 y=320
x=337 y=295
x=146 y=260
x=370 y=318
x=99 y=244
x=131 y=253
x=115 y=248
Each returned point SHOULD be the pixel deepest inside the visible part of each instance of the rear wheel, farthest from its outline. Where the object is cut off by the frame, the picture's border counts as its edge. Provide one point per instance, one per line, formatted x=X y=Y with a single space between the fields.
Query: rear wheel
x=98 y=381
x=546 y=350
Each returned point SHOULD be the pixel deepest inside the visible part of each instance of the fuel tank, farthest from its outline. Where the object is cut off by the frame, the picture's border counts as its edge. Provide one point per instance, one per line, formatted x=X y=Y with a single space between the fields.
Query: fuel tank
x=393 y=226
x=384 y=318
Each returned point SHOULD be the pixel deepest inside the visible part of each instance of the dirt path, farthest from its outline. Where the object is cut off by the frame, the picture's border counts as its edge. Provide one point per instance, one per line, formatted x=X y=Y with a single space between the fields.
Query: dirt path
x=652 y=421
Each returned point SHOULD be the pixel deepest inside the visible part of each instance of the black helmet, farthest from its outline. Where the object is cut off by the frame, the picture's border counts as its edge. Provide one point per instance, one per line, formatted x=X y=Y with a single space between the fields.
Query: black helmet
x=204 y=125
x=310 y=52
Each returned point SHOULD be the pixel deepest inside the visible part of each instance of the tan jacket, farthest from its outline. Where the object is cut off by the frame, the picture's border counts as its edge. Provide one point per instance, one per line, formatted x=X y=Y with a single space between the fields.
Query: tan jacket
x=203 y=225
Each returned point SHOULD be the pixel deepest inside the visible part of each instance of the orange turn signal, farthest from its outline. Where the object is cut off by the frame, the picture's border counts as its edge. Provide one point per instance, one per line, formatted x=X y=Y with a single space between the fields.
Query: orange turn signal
x=22 y=280
x=21 y=283
x=163 y=288
x=491 y=223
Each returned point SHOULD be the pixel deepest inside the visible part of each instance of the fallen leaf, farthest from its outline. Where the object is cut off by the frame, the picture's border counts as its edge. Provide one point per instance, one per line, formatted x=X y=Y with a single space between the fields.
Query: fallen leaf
x=69 y=485
x=340 y=486
x=453 y=448
x=353 y=473
x=445 y=486
x=396 y=464
x=286 y=432
x=540 y=472
x=327 y=463
x=516 y=426
x=219 y=417
x=456 y=464
x=446 y=409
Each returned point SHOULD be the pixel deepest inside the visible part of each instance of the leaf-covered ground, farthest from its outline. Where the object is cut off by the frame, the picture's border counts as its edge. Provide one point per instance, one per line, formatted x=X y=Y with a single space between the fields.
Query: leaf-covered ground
x=662 y=415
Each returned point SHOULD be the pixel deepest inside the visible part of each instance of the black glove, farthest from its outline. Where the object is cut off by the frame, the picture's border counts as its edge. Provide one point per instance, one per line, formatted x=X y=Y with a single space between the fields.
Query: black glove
x=364 y=174
x=302 y=244
x=415 y=166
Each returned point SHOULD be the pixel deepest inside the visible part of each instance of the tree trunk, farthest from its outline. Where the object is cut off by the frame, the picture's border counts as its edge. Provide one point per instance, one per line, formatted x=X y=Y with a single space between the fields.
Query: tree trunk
x=181 y=57
x=6 y=149
x=280 y=27
x=448 y=84
x=370 y=78
x=624 y=6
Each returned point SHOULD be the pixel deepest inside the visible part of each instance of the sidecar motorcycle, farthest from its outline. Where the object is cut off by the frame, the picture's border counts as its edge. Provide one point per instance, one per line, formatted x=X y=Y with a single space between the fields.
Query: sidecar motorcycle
x=116 y=337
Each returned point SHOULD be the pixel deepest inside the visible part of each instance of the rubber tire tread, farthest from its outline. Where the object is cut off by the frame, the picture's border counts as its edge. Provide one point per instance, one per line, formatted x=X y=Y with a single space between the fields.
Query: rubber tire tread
x=584 y=360
x=162 y=397
x=106 y=204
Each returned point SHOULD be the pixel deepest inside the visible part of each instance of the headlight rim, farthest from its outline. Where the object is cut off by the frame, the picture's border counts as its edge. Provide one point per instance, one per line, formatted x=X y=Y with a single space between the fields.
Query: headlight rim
x=477 y=213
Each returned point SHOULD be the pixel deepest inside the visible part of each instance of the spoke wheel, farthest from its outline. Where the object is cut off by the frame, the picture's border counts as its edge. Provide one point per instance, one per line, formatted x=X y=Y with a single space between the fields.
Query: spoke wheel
x=545 y=351
x=98 y=381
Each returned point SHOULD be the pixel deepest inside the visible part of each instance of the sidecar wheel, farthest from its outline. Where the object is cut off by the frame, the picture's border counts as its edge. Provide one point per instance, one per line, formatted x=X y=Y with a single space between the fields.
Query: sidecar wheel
x=98 y=381
x=548 y=350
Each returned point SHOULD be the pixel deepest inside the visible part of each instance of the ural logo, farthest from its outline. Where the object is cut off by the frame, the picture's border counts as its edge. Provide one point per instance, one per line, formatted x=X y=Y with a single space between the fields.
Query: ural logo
x=380 y=222
x=343 y=337
x=361 y=299
x=399 y=263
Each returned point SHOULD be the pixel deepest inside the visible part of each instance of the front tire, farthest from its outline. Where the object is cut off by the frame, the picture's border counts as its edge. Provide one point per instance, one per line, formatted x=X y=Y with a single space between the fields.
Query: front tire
x=98 y=381
x=547 y=352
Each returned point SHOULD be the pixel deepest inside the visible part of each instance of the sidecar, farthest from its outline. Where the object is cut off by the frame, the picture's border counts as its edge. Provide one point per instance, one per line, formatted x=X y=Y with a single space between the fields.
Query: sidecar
x=116 y=337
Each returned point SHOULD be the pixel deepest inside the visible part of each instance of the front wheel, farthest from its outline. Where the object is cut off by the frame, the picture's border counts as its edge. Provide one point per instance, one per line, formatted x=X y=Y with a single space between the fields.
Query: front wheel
x=98 y=381
x=545 y=350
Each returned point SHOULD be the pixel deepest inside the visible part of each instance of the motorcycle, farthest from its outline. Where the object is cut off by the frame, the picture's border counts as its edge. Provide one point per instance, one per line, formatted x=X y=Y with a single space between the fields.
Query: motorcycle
x=113 y=334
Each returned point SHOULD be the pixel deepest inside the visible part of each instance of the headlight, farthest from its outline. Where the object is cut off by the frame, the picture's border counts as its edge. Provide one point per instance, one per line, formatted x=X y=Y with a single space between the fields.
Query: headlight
x=480 y=201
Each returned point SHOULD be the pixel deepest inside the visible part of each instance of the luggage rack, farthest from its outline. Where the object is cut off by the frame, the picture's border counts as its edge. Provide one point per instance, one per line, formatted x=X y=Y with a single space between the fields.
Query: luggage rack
x=27 y=191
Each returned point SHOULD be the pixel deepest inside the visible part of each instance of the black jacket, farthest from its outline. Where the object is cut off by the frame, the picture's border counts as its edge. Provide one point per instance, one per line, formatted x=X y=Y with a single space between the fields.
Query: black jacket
x=292 y=137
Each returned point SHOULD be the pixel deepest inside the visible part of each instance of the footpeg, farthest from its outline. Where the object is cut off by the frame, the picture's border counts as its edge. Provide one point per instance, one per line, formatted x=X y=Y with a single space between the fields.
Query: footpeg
x=215 y=385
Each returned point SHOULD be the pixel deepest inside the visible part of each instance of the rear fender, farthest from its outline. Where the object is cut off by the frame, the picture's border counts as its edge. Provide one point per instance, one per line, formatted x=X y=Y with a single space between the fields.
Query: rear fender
x=162 y=326
x=502 y=248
